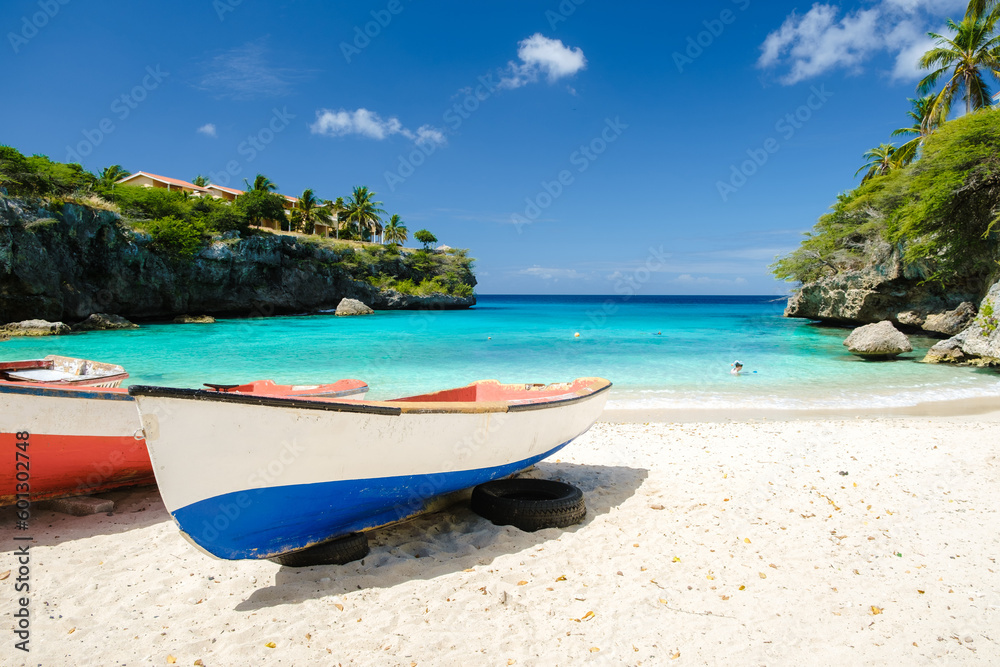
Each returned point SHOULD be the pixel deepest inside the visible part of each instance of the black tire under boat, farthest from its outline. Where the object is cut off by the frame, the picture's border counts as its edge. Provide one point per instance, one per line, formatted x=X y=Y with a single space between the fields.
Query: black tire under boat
x=340 y=551
x=529 y=504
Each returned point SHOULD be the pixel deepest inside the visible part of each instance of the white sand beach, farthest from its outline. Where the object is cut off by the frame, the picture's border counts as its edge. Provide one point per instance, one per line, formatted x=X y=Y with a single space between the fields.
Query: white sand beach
x=816 y=541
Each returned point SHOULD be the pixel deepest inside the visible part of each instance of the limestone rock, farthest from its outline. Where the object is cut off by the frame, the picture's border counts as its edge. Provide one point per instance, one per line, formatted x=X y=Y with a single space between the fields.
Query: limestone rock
x=952 y=322
x=980 y=342
x=880 y=340
x=35 y=328
x=194 y=319
x=911 y=318
x=946 y=351
x=104 y=322
x=353 y=307
x=889 y=289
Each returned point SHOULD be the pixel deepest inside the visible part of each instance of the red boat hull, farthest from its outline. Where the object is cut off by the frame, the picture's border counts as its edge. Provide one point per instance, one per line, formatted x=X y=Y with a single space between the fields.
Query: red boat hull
x=68 y=465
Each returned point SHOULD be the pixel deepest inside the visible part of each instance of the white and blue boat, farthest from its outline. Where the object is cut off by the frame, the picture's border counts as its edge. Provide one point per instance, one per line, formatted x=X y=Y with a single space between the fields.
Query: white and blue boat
x=262 y=476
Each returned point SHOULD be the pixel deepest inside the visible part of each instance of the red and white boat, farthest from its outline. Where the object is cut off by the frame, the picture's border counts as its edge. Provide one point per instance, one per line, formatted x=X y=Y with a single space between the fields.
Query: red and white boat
x=260 y=477
x=83 y=431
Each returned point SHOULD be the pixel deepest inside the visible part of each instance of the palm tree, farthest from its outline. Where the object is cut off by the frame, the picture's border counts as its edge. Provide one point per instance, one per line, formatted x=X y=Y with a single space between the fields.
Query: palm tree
x=200 y=181
x=363 y=210
x=395 y=230
x=261 y=182
x=982 y=7
x=881 y=161
x=340 y=210
x=923 y=125
x=308 y=211
x=111 y=175
x=964 y=58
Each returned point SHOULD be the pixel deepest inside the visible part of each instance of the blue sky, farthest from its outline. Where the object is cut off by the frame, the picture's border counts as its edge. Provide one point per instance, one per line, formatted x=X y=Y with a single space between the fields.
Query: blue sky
x=574 y=146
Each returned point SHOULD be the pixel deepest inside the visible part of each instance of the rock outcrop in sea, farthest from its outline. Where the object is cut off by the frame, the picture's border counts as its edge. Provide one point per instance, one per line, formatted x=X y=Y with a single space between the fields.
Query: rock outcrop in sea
x=67 y=262
x=194 y=319
x=878 y=341
x=348 y=307
x=104 y=322
x=34 y=328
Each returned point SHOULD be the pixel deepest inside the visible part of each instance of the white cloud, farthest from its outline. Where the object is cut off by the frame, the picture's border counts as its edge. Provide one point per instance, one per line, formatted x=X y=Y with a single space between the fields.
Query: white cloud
x=369 y=124
x=539 y=56
x=243 y=73
x=822 y=39
x=552 y=273
x=208 y=129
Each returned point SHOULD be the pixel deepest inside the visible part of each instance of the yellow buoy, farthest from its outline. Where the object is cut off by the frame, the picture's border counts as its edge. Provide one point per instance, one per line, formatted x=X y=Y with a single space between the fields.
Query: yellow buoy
x=576 y=335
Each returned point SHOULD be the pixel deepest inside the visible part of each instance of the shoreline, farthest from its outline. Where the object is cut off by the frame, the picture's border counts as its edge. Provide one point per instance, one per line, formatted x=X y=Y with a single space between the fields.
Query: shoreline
x=983 y=408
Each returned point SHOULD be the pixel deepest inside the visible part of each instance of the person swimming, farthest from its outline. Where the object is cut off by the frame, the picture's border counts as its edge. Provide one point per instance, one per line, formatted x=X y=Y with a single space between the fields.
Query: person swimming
x=737 y=368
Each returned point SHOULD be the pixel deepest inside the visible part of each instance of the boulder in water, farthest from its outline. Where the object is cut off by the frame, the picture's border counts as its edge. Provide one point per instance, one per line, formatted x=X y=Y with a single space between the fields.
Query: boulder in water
x=878 y=341
x=353 y=307
x=104 y=322
x=35 y=328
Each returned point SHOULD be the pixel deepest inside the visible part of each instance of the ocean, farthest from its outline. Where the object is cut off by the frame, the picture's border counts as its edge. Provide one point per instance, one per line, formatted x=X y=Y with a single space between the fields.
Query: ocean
x=659 y=351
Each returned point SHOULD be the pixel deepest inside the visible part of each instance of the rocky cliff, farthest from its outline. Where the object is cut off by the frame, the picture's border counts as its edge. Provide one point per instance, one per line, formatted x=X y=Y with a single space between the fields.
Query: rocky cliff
x=71 y=261
x=892 y=290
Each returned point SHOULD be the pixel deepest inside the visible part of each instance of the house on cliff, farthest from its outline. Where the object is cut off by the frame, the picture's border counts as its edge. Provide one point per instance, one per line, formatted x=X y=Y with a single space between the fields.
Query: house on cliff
x=147 y=180
x=144 y=179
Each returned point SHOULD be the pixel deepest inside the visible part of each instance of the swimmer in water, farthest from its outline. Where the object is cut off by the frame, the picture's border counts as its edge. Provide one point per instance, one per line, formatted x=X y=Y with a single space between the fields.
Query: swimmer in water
x=737 y=368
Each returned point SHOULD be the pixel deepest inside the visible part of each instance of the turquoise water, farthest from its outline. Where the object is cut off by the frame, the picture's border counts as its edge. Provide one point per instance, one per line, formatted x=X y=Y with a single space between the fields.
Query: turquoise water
x=788 y=363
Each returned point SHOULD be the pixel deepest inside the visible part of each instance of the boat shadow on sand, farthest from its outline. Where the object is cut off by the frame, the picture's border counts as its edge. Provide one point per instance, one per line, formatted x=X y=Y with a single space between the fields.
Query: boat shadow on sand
x=135 y=508
x=441 y=543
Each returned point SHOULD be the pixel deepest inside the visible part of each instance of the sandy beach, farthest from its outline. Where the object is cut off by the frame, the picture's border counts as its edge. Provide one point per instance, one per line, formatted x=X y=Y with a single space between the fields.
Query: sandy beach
x=868 y=540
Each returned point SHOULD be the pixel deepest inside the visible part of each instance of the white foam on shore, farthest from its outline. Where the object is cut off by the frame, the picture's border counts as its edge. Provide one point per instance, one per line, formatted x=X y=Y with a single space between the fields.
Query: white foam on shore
x=701 y=400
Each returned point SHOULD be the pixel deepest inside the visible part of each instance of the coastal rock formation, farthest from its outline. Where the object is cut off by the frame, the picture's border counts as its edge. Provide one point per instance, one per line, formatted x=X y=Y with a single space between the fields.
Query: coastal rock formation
x=390 y=299
x=979 y=344
x=951 y=322
x=348 y=307
x=35 y=328
x=878 y=341
x=888 y=290
x=72 y=261
x=104 y=322
x=194 y=319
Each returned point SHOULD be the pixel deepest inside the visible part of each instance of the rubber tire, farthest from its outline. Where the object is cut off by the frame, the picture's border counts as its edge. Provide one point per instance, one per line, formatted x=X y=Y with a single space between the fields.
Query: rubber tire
x=529 y=504
x=340 y=551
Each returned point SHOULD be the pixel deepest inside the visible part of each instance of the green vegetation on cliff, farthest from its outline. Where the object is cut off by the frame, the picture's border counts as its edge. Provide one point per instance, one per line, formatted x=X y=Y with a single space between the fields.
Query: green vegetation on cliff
x=178 y=228
x=931 y=205
x=941 y=212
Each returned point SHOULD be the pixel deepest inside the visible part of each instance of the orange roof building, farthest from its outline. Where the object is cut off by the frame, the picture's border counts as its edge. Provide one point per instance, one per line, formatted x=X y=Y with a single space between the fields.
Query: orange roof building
x=147 y=180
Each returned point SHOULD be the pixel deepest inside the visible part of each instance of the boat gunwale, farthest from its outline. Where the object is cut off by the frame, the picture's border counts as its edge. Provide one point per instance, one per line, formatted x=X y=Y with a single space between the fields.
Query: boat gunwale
x=64 y=391
x=369 y=407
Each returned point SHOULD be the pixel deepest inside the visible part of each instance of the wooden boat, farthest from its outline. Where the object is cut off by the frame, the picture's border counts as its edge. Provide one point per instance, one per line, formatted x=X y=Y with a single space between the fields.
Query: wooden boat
x=258 y=477
x=63 y=371
x=84 y=433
